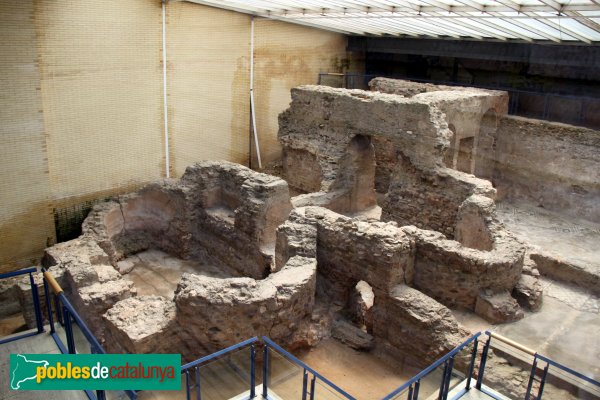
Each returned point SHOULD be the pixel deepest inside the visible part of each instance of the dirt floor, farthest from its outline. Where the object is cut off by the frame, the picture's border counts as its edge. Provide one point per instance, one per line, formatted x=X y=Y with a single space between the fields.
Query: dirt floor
x=361 y=374
x=574 y=240
x=158 y=273
x=12 y=324
x=566 y=328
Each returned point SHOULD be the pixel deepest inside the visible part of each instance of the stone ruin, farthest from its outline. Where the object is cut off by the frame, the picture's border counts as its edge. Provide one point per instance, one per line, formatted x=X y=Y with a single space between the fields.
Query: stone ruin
x=369 y=237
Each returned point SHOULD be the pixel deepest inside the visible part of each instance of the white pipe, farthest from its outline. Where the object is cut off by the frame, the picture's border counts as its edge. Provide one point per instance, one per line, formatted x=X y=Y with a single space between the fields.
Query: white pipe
x=165 y=105
x=252 y=111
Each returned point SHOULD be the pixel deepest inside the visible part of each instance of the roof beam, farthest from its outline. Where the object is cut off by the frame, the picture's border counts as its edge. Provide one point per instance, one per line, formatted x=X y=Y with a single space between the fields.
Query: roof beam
x=496 y=27
x=582 y=19
x=549 y=23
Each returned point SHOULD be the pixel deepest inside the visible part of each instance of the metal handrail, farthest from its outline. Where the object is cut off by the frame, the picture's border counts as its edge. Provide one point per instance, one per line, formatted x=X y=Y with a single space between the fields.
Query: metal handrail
x=69 y=311
x=534 y=367
x=17 y=273
x=295 y=360
x=433 y=366
x=511 y=343
x=218 y=353
x=36 y=303
x=569 y=370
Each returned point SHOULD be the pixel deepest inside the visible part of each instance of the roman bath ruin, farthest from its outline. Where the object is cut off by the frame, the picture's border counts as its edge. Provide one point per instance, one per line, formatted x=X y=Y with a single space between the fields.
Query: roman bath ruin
x=391 y=223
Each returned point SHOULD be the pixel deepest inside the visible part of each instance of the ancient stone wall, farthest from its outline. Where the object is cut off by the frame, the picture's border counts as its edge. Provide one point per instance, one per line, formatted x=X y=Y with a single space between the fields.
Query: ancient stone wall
x=407 y=137
x=430 y=200
x=466 y=109
x=416 y=327
x=322 y=121
x=221 y=211
x=219 y=312
x=380 y=256
x=550 y=164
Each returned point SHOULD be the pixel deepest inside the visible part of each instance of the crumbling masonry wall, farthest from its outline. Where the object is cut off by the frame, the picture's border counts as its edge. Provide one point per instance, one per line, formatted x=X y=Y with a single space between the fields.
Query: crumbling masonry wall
x=463 y=256
x=219 y=211
x=553 y=165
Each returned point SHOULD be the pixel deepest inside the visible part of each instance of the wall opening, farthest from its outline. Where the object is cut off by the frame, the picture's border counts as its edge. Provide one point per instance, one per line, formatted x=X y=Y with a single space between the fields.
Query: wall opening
x=449 y=155
x=464 y=159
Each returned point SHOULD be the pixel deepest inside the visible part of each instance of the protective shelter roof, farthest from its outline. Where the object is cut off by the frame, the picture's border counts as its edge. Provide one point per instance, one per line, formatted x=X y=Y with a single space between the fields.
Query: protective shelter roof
x=522 y=20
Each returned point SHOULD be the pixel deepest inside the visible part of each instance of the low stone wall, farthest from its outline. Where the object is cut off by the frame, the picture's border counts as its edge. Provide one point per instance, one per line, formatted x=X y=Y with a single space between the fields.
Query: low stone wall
x=457 y=275
x=417 y=328
x=216 y=313
x=218 y=210
x=553 y=165
x=430 y=200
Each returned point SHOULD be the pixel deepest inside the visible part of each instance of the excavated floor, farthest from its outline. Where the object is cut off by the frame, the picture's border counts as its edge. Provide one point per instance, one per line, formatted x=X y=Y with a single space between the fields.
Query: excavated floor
x=565 y=329
x=573 y=240
x=361 y=374
x=157 y=273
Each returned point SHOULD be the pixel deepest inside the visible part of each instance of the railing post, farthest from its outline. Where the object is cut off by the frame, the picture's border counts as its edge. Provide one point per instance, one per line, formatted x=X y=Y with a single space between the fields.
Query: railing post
x=58 y=309
x=531 y=377
x=69 y=330
x=187 y=384
x=252 y=372
x=484 y=355
x=198 y=383
x=471 y=364
x=448 y=378
x=304 y=384
x=443 y=383
x=265 y=385
x=410 y=392
x=36 y=304
x=100 y=395
x=542 y=382
x=313 y=381
x=49 y=306
x=416 y=391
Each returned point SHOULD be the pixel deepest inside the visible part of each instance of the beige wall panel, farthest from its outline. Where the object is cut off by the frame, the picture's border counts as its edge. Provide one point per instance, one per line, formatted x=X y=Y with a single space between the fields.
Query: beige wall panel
x=208 y=79
x=25 y=216
x=286 y=56
x=102 y=93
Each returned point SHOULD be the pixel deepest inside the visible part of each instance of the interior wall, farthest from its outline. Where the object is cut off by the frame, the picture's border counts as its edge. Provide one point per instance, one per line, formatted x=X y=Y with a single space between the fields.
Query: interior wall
x=81 y=110
x=208 y=52
x=25 y=216
x=552 y=165
x=102 y=94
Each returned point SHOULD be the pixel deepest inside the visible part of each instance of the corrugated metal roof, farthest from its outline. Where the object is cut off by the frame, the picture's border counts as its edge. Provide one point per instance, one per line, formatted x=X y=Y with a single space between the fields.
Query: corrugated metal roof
x=523 y=20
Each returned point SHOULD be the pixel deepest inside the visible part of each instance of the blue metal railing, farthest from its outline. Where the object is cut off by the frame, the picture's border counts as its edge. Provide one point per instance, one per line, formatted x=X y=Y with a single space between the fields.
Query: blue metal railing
x=540 y=374
x=412 y=386
x=36 y=303
x=192 y=369
x=311 y=378
x=307 y=392
x=69 y=318
x=542 y=368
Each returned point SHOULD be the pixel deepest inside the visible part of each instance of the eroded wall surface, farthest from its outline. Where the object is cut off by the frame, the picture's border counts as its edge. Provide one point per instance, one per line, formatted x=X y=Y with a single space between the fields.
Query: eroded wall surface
x=553 y=165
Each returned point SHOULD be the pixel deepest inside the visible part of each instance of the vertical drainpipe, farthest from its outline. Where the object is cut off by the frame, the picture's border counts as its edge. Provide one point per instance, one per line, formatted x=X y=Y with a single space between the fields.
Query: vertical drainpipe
x=252 y=110
x=164 y=60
